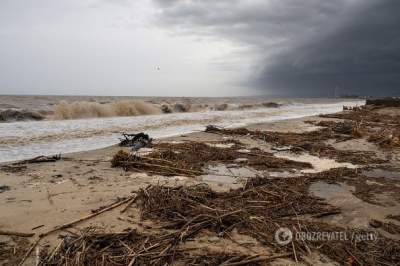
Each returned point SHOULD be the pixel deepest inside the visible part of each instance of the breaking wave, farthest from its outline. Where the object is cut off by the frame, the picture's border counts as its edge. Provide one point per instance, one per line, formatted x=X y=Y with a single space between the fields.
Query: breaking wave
x=83 y=109
x=9 y=115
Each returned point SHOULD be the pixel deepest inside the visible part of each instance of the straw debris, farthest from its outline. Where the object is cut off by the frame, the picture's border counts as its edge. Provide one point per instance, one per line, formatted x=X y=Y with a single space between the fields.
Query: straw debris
x=191 y=158
x=313 y=142
x=257 y=209
x=380 y=128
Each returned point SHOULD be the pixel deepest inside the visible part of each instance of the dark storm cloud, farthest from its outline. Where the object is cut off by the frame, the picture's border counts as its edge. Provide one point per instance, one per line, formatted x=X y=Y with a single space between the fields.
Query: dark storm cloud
x=305 y=48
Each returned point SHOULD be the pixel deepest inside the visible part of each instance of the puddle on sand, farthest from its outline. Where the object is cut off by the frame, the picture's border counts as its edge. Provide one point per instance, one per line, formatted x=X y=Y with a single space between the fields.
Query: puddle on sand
x=355 y=212
x=319 y=164
x=221 y=145
x=382 y=173
x=222 y=174
x=284 y=174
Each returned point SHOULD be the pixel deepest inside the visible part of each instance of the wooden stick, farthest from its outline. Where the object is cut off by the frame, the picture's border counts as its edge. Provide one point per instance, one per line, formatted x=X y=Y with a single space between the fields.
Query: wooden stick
x=37 y=227
x=13 y=233
x=60 y=227
x=29 y=251
x=129 y=204
x=41 y=159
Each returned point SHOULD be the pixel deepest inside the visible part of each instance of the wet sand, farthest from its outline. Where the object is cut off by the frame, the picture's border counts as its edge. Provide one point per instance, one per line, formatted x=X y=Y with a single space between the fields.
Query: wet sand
x=46 y=195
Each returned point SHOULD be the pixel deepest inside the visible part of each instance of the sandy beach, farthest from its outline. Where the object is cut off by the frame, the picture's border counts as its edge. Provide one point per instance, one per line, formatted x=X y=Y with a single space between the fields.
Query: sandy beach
x=354 y=178
x=200 y=133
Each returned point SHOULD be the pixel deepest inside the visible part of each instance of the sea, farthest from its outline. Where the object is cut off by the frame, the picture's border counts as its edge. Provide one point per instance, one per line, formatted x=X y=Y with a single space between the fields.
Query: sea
x=80 y=123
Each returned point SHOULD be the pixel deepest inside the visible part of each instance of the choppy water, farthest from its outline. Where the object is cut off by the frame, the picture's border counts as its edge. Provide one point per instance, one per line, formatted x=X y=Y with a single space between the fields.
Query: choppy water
x=21 y=140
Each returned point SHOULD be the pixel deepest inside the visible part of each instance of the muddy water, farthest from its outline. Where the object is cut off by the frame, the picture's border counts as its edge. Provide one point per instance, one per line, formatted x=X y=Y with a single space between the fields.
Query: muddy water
x=355 y=212
x=319 y=164
x=227 y=175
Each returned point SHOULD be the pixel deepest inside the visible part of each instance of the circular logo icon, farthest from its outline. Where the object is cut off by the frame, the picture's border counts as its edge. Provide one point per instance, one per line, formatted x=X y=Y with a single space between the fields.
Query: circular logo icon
x=283 y=236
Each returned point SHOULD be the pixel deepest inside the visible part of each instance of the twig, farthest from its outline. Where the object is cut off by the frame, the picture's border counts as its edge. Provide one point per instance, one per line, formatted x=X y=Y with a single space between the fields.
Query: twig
x=13 y=233
x=41 y=159
x=129 y=204
x=57 y=228
x=29 y=251
x=37 y=227
x=294 y=252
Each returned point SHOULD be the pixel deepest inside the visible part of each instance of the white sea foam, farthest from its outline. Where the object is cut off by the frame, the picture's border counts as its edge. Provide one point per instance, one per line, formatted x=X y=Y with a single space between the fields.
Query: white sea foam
x=21 y=140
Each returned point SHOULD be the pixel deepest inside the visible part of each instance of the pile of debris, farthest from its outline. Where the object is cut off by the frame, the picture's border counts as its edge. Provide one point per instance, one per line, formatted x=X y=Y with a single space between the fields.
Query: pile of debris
x=386 y=138
x=258 y=209
x=348 y=129
x=274 y=198
x=12 y=249
x=313 y=142
x=382 y=129
x=384 y=102
x=190 y=158
x=90 y=247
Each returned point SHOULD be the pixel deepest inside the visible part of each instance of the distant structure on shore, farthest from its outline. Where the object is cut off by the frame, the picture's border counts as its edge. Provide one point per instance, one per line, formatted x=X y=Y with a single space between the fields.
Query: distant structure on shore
x=352 y=96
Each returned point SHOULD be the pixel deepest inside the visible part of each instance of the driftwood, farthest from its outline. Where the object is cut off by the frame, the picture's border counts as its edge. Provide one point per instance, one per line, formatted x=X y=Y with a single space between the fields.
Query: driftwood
x=37 y=227
x=13 y=168
x=60 y=227
x=133 y=199
x=13 y=233
x=41 y=159
x=29 y=251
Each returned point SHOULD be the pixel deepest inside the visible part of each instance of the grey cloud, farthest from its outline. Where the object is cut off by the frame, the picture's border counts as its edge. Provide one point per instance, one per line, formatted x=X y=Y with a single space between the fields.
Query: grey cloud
x=247 y=21
x=305 y=48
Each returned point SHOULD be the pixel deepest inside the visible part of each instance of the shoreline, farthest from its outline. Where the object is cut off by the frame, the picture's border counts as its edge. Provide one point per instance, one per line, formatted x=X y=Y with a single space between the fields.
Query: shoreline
x=55 y=108
x=46 y=195
x=65 y=136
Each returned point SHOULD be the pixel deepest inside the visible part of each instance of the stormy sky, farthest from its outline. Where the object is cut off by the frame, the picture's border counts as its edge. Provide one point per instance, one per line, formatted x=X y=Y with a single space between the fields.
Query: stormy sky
x=200 y=48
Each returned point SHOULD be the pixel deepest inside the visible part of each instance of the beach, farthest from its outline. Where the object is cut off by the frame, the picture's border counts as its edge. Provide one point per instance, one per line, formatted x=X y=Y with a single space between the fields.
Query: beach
x=74 y=124
x=347 y=164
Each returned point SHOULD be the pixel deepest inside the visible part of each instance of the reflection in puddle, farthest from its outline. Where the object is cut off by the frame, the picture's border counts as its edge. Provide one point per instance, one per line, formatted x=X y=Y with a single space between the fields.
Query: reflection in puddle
x=354 y=212
x=219 y=179
x=225 y=175
x=331 y=192
x=284 y=174
x=319 y=164
x=221 y=145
